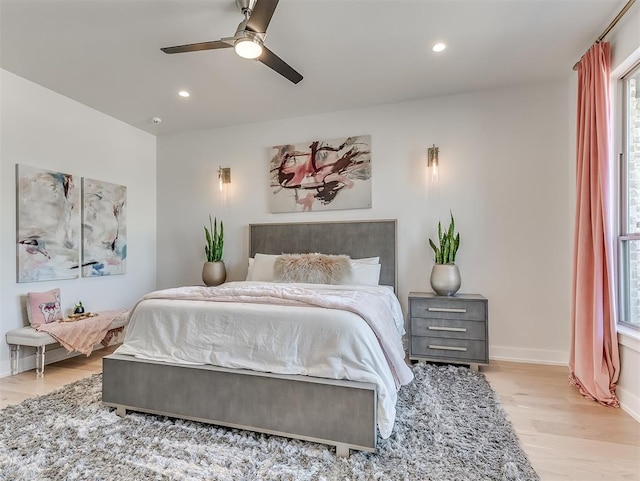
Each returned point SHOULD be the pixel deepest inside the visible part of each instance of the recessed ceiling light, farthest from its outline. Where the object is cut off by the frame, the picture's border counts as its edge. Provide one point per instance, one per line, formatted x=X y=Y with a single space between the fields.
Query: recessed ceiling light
x=184 y=93
x=438 y=47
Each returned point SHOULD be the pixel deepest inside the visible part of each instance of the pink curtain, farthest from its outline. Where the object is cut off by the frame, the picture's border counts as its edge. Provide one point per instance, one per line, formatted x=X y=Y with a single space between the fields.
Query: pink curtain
x=594 y=360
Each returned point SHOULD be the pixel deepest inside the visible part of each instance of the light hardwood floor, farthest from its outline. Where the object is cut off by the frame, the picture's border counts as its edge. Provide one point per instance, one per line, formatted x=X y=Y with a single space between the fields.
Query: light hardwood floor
x=565 y=436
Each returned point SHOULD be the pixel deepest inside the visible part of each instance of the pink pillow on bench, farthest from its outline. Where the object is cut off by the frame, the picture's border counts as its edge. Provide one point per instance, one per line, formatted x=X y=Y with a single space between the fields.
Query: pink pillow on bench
x=43 y=307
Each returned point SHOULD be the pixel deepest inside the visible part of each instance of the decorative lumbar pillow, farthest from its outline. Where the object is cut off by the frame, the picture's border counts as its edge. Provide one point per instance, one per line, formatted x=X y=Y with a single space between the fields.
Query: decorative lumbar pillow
x=43 y=307
x=312 y=268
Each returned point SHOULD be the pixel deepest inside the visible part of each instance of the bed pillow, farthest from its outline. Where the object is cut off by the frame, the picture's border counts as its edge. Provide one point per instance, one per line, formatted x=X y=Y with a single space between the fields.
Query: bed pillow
x=262 y=268
x=365 y=274
x=250 y=269
x=43 y=307
x=365 y=260
x=312 y=268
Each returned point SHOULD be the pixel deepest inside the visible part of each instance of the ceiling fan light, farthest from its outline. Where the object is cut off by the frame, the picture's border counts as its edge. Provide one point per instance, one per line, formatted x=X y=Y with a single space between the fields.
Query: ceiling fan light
x=248 y=47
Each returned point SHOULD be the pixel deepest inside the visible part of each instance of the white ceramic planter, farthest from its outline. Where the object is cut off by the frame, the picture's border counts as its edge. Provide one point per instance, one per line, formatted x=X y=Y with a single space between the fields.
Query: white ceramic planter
x=445 y=279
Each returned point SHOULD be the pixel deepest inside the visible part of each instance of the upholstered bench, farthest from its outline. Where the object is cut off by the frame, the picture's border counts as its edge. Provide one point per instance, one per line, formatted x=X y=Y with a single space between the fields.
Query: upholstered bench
x=28 y=336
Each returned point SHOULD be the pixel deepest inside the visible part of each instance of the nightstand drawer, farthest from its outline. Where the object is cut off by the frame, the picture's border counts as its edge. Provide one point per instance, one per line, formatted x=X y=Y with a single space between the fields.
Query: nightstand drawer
x=455 y=329
x=444 y=308
x=442 y=348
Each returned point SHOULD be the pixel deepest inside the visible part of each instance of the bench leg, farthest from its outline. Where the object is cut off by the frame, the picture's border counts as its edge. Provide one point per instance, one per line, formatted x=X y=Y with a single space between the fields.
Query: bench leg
x=40 y=362
x=15 y=358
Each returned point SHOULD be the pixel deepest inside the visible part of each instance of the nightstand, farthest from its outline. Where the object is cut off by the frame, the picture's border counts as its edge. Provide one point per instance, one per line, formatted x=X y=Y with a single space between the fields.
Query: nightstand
x=449 y=329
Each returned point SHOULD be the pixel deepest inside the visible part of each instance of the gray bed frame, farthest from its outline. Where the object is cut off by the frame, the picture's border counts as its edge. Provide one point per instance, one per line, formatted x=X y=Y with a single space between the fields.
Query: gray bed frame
x=335 y=412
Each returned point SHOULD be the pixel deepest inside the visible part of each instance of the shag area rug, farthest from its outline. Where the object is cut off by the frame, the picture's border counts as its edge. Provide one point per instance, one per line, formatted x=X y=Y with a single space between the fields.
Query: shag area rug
x=449 y=426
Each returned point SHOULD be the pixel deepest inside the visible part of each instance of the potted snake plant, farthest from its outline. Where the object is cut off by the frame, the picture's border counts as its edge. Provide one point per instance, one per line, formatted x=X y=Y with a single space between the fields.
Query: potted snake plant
x=214 y=272
x=445 y=276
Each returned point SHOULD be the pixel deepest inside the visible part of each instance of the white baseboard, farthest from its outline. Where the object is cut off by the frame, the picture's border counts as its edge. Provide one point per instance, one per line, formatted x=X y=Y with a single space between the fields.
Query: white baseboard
x=55 y=355
x=529 y=356
x=629 y=402
x=5 y=368
x=28 y=363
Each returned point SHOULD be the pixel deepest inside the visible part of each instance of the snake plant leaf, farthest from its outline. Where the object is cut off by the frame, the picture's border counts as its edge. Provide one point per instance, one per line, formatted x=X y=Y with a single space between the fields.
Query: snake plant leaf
x=456 y=244
x=445 y=252
x=450 y=231
x=435 y=250
x=452 y=227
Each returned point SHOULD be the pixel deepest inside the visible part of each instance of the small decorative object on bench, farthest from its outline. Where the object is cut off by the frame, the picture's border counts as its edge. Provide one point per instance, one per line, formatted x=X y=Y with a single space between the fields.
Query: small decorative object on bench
x=79 y=308
x=78 y=317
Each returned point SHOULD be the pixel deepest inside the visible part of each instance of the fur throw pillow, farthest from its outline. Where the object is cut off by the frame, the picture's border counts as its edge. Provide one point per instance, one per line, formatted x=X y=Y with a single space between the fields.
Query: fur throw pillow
x=312 y=268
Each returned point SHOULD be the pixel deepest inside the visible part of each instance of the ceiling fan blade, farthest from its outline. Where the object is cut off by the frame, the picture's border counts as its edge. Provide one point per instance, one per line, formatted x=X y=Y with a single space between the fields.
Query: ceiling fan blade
x=274 y=62
x=261 y=15
x=194 y=47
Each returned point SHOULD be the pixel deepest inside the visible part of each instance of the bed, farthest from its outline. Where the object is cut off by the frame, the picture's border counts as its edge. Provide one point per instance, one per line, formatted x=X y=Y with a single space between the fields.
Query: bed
x=338 y=400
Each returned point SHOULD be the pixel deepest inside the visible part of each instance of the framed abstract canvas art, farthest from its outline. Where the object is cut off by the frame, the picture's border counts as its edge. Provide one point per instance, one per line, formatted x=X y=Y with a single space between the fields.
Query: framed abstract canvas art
x=104 y=228
x=48 y=230
x=321 y=175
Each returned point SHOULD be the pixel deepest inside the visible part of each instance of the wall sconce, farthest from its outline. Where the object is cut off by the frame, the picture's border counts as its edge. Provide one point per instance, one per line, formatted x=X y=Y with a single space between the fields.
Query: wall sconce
x=432 y=162
x=224 y=177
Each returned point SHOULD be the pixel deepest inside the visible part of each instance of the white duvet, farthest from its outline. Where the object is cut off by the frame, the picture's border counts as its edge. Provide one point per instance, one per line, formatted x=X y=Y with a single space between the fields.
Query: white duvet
x=311 y=341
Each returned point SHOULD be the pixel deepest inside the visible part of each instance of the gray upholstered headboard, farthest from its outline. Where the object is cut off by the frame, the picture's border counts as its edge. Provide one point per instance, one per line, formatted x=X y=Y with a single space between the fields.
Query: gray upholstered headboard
x=357 y=239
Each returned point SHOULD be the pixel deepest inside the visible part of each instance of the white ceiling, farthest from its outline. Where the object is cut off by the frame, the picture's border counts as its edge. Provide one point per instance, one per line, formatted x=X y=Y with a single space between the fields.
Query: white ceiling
x=352 y=53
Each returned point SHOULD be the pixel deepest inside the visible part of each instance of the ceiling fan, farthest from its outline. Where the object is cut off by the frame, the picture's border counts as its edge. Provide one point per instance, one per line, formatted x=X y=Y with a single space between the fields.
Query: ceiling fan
x=248 y=40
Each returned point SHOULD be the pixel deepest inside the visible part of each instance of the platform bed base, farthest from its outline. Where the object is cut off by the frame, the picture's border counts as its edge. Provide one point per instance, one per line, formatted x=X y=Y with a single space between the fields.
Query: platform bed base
x=335 y=412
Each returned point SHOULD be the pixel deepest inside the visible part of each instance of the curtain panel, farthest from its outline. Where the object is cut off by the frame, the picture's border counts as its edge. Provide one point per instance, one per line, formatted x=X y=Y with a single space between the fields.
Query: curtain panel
x=594 y=360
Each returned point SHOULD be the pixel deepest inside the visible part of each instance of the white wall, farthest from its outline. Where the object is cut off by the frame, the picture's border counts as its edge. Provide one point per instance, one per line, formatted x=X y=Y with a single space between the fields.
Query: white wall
x=625 y=37
x=41 y=128
x=504 y=174
x=625 y=52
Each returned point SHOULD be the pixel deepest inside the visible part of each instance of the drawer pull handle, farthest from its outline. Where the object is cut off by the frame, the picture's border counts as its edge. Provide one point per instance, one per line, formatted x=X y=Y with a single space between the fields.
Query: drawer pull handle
x=446 y=309
x=447 y=348
x=450 y=329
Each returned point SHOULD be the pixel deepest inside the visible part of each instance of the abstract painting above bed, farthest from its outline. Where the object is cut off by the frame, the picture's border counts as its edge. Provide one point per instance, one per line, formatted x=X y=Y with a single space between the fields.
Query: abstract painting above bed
x=321 y=175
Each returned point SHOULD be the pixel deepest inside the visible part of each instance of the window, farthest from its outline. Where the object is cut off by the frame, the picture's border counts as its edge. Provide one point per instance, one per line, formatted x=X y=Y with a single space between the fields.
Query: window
x=629 y=252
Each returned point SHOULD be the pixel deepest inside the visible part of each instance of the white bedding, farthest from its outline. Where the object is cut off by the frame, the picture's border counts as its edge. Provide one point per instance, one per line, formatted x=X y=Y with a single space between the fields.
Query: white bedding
x=311 y=341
